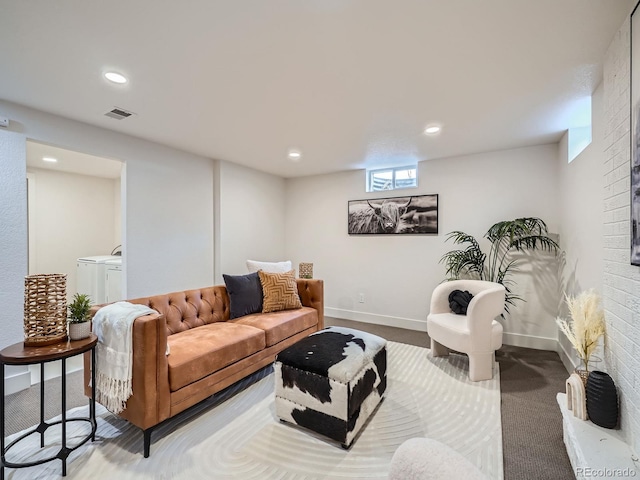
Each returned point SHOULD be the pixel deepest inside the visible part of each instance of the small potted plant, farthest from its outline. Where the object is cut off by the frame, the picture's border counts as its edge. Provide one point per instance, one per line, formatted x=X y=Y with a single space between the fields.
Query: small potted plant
x=79 y=326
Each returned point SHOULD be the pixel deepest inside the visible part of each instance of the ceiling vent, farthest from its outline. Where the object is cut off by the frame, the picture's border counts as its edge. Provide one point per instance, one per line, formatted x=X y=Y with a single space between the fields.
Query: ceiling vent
x=119 y=113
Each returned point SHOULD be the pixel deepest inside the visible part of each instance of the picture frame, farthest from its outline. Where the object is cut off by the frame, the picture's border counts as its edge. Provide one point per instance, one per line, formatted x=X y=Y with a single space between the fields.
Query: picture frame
x=406 y=215
x=634 y=189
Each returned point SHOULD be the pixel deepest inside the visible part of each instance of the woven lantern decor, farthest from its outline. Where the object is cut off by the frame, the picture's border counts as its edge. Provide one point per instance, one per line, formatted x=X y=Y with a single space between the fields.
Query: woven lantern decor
x=306 y=270
x=45 y=309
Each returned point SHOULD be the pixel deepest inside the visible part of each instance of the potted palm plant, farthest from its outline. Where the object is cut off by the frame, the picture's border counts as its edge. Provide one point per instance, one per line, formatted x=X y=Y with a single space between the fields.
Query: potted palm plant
x=506 y=238
x=78 y=319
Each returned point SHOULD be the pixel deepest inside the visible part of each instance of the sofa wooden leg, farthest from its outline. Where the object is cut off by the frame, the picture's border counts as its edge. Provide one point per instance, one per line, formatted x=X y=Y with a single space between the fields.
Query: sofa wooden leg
x=147 y=441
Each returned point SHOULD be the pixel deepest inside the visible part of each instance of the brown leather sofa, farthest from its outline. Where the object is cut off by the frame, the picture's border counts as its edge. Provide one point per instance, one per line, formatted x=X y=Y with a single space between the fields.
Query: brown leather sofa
x=207 y=351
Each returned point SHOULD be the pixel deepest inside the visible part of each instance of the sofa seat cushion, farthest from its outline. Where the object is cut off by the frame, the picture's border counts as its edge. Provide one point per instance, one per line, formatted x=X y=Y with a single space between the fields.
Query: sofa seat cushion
x=280 y=325
x=201 y=351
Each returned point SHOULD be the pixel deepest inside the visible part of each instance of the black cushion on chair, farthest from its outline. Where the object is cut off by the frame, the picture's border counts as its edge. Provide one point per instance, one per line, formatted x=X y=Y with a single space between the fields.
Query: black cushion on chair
x=459 y=301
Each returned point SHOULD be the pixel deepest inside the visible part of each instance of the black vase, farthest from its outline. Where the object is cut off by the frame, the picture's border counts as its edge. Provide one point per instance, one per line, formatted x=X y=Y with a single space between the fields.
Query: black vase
x=602 y=400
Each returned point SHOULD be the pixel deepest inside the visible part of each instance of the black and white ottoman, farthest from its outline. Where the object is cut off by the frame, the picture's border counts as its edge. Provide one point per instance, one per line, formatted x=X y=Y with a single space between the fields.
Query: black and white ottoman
x=331 y=382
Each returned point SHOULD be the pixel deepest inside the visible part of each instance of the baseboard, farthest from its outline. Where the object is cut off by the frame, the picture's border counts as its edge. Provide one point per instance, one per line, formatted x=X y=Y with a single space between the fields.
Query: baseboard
x=530 y=341
x=54 y=369
x=17 y=381
x=565 y=358
x=515 y=339
x=399 y=322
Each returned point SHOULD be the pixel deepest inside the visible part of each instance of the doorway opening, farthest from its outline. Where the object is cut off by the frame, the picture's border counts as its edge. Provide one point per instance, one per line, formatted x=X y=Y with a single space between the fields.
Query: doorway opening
x=75 y=221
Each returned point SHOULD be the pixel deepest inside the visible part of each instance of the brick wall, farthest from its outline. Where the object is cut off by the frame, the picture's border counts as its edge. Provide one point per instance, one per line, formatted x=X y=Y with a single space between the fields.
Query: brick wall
x=621 y=290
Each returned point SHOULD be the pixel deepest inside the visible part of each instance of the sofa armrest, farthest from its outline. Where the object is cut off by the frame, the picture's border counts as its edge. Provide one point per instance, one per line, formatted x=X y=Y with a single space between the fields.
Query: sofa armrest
x=150 y=402
x=311 y=293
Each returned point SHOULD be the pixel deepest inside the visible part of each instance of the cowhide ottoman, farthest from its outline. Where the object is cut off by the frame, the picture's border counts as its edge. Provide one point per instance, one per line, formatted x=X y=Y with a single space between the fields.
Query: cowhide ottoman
x=331 y=382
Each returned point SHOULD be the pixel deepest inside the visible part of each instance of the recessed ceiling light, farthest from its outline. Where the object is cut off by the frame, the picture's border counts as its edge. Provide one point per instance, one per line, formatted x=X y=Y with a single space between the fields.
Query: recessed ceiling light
x=49 y=159
x=115 y=77
x=294 y=155
x=432 y=129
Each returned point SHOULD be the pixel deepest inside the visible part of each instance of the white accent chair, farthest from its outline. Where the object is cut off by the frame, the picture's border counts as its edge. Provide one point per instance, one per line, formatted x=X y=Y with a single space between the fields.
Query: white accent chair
x=477 y=333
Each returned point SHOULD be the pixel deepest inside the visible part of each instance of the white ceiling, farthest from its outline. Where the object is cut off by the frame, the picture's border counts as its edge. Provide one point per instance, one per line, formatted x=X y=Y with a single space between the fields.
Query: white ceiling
x=71 y=162
x=351 y=83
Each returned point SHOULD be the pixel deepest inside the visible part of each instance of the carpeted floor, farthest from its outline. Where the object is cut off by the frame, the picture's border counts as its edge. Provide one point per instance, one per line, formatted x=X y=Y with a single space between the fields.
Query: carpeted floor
x=533 y=448
x=22 y=409
x=531 y=421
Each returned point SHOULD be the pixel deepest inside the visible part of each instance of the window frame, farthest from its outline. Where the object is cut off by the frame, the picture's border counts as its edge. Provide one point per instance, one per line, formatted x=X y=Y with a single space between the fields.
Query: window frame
x=394 y=171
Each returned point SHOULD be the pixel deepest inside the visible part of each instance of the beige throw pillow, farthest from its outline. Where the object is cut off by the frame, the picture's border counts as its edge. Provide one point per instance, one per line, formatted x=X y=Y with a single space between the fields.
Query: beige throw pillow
x=280 y=291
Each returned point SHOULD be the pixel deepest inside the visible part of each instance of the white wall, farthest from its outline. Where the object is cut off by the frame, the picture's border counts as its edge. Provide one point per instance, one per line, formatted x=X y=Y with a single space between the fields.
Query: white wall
x=581 y=223
x=581 y=200
x=168 y=234
x=621 y=279
x=168 y=238
x=117 y=205
x=250 y=218
x=397 y=273
x=13 y=241
x=71 y=216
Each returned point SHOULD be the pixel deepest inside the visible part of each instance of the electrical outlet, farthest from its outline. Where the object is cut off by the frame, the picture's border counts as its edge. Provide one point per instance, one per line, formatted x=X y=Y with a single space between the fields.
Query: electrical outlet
x=361 y=297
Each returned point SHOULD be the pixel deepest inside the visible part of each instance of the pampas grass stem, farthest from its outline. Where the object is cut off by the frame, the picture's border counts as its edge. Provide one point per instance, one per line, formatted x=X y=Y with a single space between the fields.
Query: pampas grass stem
x=586 y=325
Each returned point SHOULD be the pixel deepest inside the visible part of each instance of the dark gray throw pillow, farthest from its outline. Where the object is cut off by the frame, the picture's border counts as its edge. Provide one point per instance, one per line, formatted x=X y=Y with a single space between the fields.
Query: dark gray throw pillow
x=245 y=294
x=459 y=301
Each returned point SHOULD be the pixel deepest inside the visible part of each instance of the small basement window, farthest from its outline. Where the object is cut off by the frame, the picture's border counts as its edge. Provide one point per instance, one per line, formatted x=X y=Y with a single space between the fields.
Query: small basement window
x=579 y=135
x=392 y=178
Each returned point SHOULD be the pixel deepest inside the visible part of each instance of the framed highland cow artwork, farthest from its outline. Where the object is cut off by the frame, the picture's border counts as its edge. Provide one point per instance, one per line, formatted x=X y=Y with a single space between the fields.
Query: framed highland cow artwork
x=415 y=214
x=635 y=137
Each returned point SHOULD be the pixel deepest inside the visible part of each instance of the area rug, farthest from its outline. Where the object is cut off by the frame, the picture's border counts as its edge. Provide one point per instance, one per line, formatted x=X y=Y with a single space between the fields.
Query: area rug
x=236 y=435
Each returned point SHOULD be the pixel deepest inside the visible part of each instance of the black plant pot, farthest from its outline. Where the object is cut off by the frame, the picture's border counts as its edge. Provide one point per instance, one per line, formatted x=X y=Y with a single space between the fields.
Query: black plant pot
x=602 y=400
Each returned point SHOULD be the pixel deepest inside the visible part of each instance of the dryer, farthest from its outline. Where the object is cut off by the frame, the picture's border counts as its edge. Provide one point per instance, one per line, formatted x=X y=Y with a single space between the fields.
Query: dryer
x=91 y=276
x=113 y=280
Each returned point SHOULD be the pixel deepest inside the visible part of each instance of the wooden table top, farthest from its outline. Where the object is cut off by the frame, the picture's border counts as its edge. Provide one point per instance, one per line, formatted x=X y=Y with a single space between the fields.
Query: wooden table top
x=18 y=354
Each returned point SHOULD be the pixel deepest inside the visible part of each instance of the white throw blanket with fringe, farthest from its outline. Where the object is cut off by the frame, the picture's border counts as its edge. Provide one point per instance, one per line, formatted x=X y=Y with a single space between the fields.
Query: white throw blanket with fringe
x=113 y=324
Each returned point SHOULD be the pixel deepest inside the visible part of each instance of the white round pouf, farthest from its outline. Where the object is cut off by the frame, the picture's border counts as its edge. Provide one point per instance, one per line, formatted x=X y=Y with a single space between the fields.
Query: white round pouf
x=428 y=459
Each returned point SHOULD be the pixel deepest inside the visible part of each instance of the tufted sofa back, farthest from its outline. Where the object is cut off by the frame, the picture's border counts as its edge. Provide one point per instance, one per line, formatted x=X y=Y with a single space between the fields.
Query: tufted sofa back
x=190 y=308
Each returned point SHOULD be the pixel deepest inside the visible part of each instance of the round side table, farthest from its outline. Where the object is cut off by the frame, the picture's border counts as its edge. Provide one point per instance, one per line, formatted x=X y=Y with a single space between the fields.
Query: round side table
x=18 y=354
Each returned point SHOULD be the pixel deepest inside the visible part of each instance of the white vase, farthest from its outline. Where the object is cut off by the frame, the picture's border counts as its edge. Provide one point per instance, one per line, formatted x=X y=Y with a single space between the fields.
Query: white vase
x=78 y=331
